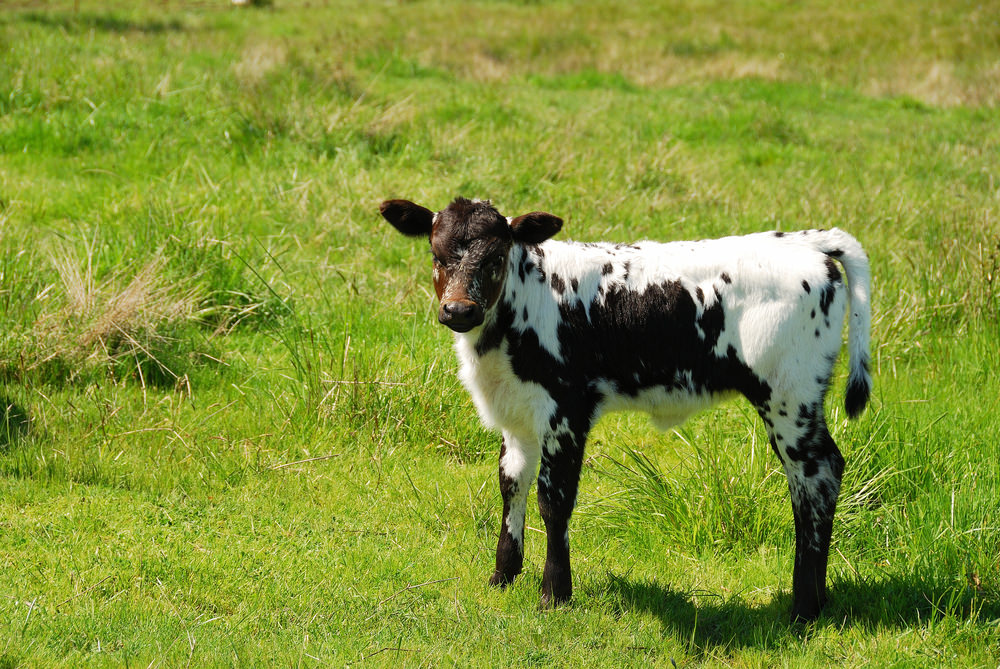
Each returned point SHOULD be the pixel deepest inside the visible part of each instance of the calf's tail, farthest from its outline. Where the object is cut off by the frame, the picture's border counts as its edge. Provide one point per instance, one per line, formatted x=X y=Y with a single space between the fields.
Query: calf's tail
x=843 y=247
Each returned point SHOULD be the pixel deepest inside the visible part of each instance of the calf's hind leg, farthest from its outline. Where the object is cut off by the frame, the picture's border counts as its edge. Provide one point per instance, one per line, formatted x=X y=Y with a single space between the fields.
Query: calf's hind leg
x=814 y=467
x=518 y=465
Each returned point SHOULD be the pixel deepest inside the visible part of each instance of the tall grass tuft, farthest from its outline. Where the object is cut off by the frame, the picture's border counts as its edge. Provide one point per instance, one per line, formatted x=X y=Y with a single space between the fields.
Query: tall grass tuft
x=125 y=322
x=718 y=498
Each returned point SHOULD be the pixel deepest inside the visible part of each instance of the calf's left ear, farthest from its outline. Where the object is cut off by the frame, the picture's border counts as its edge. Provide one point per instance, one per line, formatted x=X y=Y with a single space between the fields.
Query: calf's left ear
x=534 y=228
x=409 y=218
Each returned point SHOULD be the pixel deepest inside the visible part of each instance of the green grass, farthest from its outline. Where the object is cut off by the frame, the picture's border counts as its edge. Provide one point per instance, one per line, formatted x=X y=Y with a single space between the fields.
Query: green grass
x=232 y=431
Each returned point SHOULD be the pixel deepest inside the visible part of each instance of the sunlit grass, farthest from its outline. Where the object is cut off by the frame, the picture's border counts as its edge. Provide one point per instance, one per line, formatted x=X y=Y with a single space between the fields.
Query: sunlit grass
x=232 y=432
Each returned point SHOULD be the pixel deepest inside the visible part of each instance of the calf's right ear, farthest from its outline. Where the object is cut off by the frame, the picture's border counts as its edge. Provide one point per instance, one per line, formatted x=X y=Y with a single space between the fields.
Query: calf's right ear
x=409 y=218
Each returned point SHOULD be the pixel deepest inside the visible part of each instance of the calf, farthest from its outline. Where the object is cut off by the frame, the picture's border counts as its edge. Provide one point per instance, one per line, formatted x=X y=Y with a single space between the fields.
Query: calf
x=551 y=334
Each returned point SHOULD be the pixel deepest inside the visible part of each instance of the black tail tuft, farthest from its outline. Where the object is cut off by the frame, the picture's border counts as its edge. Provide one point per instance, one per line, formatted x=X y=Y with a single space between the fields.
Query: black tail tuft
x=858 y=390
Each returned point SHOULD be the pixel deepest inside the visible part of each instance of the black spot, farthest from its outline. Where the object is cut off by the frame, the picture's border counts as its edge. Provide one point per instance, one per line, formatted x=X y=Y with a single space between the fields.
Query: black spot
x=558 y=284
x=700 y=294
x=712 y=321
x=524 y=314
x=835 y=253
x=575 y=284
x=608 y=268
x=794 y=454
x=725 y=278
x=832 y=273
x=805 y=284
x=817 y=333
x=628 y=268
x=779 y=234
x=826 y=299
x=782 y=412
x=812 y=314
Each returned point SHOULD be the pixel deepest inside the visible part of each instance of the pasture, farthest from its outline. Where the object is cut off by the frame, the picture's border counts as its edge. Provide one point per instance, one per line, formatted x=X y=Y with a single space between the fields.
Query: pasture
x=232 y=432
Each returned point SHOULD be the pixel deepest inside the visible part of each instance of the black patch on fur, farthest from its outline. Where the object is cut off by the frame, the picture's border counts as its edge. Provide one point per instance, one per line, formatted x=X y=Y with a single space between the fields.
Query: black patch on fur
x=608 y=268
x=832 y=273
x=777 y=451
x=574 y=283
x=558 y=284
x=805 y=284
x=495 y=328
x=713 y=320
x=830 y=289
x=700 y=294
x=826 y=298
x=779 y=234
x=725 y=278
x=650 y=334
x=815 y=445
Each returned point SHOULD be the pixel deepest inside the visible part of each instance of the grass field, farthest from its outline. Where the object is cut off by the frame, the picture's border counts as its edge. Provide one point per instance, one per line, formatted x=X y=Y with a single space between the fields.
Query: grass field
x=233 y=434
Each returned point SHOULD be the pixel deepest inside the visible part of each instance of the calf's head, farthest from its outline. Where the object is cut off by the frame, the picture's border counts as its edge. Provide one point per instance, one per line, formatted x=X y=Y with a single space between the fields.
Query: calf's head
x=471 y=243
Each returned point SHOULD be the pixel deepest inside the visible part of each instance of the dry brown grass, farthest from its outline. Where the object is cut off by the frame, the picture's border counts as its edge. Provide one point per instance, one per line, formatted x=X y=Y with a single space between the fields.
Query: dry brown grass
x=86 y=322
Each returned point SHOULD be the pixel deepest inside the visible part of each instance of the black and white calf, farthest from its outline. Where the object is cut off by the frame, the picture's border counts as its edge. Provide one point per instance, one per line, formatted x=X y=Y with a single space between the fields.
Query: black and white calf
x=552 y=334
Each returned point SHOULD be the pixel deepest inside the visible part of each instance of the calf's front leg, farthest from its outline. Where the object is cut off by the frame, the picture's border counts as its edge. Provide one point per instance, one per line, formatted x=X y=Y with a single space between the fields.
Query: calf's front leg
x=518 y=464
x=558 y=481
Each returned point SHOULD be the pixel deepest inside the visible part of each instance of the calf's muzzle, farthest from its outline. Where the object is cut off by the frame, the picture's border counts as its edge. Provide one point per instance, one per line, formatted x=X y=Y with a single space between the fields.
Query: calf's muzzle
x=460 y=315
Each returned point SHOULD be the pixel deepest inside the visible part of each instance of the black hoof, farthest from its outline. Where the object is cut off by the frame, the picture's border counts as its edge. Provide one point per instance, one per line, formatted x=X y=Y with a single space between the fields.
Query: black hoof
x=501 y=580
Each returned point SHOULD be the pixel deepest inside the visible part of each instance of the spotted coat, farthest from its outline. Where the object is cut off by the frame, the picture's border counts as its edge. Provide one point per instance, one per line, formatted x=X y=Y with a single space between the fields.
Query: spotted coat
x=551 y=334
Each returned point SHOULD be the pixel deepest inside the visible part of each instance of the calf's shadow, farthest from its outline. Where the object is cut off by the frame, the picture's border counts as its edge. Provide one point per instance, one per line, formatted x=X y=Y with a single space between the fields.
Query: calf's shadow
x=711 y=621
